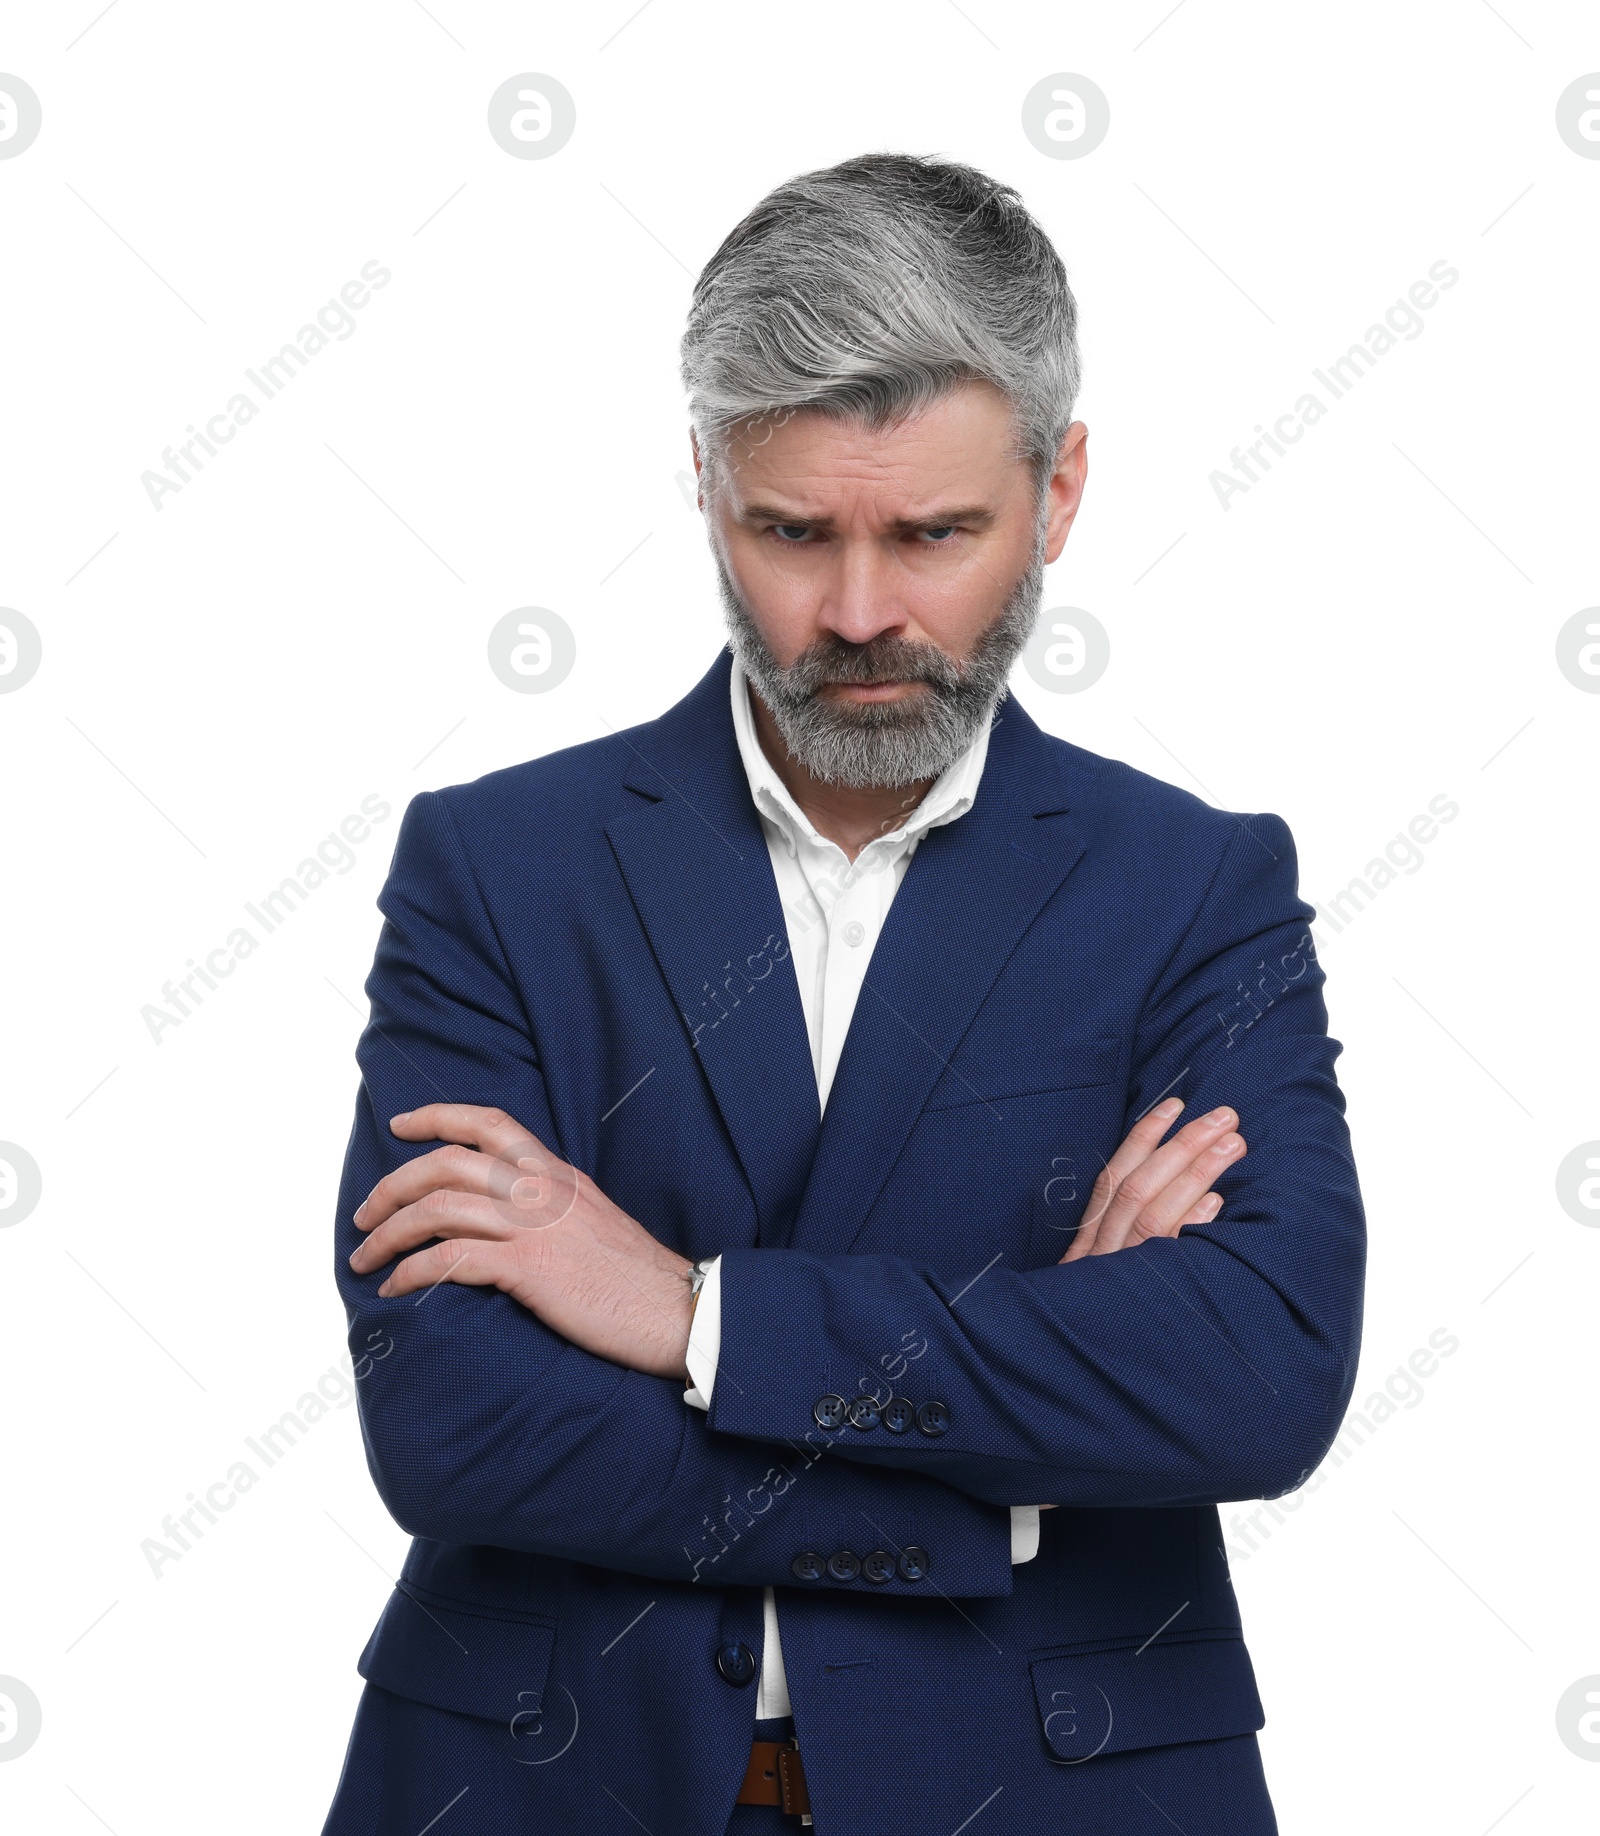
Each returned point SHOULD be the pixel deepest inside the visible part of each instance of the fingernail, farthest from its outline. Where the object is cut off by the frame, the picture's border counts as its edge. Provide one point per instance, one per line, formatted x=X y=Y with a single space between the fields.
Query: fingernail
x=395 y=1121
x=1228 y=1145
x=354 y=1255
x=383 y=1288
x=1169 y=1109
x=1211 y=1205
x=361 y=1211
x=1219 y=1116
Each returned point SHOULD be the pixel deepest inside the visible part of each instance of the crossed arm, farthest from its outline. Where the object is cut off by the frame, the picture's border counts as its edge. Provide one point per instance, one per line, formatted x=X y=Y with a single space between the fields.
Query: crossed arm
x=1148 y=1367
x=496 y=1208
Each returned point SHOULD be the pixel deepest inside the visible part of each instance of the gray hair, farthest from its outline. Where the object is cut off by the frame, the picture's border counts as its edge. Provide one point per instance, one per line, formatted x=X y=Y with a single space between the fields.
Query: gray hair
x=869 y=289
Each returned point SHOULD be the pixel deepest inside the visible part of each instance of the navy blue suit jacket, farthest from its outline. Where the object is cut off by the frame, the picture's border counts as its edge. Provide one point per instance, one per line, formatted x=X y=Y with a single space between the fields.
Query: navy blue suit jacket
x=593 y=942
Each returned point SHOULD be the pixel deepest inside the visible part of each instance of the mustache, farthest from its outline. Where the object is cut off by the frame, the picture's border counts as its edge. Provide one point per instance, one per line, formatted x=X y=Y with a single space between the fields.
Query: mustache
x=887 y=658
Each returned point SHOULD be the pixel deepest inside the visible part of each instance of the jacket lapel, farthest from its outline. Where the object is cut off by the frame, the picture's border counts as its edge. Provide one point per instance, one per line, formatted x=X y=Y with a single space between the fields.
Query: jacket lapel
x=696 y=864
x=972 y=889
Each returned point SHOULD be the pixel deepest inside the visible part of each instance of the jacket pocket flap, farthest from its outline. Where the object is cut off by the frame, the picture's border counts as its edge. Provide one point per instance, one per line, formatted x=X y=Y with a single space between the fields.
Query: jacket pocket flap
x=455 y=1657
x=1112 y=1701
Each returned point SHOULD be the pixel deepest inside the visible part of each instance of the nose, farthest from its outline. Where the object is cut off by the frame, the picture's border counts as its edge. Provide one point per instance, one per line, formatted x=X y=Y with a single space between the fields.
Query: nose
x=864 y=593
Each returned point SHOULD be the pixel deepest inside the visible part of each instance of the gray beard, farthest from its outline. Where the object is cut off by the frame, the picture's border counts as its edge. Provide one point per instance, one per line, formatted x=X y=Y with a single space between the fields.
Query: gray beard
x=885 y=745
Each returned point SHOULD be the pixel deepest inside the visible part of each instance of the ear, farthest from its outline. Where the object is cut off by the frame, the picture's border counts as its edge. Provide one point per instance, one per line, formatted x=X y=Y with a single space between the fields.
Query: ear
x=1066 y=487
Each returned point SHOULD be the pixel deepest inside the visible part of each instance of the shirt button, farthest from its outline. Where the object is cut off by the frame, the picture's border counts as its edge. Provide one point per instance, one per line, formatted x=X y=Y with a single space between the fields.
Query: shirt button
x=828 y=1411
x=844 y=1565
x=862 y=1412
x=737 y=1664
x=853 y=933
x=933 y=1418
x=913 y=1562
x=807 y=1567
x=879 y=1566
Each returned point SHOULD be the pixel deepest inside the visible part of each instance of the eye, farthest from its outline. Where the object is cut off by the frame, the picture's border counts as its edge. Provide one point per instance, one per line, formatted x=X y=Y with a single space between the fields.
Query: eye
x=940 y=536
x=790 y=535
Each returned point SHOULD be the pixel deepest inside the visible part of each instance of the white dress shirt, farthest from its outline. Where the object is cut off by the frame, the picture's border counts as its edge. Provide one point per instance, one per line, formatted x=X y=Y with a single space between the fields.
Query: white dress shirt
x=834 y=909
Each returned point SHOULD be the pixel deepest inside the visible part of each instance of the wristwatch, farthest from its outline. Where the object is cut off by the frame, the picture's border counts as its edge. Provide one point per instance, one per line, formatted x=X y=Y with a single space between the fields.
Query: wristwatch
x=696 y=1278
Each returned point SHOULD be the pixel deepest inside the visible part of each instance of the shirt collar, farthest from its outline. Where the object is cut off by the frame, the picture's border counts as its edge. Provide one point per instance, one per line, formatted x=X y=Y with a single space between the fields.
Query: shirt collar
x=950 y=795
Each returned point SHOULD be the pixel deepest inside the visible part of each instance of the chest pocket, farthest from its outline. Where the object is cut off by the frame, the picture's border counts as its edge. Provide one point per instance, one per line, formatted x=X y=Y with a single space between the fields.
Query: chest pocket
x=987 y=1068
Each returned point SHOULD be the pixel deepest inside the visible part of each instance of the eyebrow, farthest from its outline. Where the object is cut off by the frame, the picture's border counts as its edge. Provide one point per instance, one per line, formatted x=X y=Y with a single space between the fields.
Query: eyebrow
x=977 y=515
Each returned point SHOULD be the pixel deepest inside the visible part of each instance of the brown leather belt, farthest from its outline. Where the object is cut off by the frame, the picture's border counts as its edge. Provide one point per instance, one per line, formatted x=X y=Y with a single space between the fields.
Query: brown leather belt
x=775 y=1776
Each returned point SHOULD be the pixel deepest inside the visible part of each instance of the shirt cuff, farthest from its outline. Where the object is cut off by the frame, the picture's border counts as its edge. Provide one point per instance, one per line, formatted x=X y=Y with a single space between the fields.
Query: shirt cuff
x=705 y=1341
x=1024 y=1532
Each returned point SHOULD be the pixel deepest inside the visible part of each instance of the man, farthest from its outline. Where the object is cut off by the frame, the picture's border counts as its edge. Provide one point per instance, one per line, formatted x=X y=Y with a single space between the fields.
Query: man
x=809 y=1373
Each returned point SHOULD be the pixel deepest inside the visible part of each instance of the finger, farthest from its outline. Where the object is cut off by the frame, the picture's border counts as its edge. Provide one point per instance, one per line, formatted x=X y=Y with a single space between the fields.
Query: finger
x=534 y=1178
x=1152 y=1177
x=492 y=1132
x=1202 y=1211
x=462 y=1169
x=472 y=1265
x=1167 y=1209
x=1143 y=1139
x=443 y=1214
x=1089 y=1224
x=476 y=1124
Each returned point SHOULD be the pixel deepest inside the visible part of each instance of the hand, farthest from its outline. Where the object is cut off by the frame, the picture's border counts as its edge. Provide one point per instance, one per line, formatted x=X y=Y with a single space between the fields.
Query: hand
x=516 y=1217
x=1151 y=1191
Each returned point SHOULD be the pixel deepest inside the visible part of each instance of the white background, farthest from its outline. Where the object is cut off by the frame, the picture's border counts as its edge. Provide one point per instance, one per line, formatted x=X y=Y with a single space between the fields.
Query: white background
x=1370 y=626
